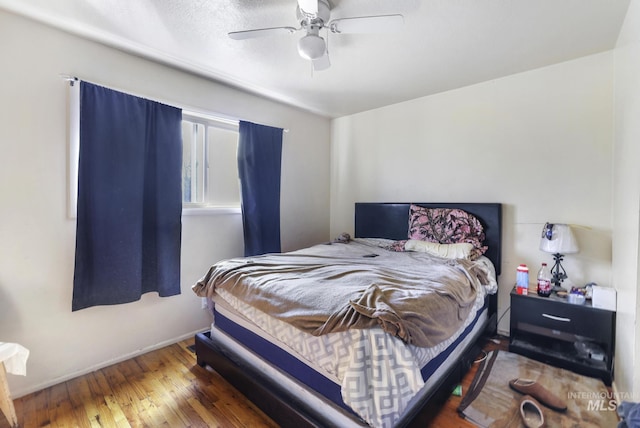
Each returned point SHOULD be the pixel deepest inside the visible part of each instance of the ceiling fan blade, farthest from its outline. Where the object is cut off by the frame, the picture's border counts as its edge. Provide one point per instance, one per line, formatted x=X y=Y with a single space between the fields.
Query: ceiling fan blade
x=308 y=6
x=261 y=32
x=321 y=63
x=367 y=24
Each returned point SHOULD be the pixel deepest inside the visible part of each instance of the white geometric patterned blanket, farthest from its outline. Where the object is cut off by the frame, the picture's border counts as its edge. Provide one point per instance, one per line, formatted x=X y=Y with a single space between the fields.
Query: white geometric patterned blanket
x=379 y=374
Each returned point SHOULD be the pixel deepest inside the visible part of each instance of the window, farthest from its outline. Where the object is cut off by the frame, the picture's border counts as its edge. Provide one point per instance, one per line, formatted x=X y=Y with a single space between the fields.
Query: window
x=209 y=162
x=209 y=169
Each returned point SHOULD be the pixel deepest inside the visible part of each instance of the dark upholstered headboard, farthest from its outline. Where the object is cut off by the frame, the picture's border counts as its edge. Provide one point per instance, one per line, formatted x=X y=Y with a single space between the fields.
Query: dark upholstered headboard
x=391 y=221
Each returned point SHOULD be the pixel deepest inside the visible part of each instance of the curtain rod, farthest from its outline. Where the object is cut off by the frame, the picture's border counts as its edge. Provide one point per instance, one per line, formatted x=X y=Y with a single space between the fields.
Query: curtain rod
x=73 y=79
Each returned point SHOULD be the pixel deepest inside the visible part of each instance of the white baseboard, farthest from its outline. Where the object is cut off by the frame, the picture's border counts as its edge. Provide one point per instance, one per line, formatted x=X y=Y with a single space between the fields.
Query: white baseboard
x=35 y=388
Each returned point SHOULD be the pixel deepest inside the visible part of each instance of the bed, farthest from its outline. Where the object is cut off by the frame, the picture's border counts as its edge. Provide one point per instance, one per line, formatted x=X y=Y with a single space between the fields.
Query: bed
x=295 y=376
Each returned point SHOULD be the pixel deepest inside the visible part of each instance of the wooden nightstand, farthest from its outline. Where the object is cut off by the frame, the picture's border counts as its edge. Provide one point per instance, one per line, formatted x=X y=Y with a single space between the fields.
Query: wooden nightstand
x=579 y=338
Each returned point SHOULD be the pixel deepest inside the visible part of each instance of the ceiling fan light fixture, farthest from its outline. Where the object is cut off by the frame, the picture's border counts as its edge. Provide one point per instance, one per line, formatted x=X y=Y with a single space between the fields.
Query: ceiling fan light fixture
x=311 y=46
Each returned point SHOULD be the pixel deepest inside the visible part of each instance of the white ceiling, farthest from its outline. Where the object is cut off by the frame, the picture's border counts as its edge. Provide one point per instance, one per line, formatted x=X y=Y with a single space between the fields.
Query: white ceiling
x=444 y=44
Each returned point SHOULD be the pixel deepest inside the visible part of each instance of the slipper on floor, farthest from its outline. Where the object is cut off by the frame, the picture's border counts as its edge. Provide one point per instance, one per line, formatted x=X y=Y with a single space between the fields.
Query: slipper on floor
x=531 y=412
x=539 y=392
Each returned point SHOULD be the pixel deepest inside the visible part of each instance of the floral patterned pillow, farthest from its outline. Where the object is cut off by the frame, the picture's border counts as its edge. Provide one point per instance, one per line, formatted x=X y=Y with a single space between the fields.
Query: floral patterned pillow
x=446 y=226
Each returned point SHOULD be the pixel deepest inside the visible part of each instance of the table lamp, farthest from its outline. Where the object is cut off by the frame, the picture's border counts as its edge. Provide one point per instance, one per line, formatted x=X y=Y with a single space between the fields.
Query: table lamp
x=558 y=239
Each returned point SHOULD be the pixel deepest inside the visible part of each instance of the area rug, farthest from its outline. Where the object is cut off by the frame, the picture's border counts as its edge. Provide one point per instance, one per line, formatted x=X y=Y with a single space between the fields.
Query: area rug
x=490 y=402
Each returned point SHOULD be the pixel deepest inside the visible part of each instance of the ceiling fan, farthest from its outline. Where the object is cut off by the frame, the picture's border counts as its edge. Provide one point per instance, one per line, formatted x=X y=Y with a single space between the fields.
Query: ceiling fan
x=313 y=16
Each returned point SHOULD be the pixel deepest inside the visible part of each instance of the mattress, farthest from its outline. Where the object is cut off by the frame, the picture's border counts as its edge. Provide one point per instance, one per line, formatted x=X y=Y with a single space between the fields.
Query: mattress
x=367 y=373
x=416 y=296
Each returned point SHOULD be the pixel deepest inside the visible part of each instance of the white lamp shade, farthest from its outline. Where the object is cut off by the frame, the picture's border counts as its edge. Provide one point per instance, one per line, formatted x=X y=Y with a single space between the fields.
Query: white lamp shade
x=561 y=241
x=311 y=46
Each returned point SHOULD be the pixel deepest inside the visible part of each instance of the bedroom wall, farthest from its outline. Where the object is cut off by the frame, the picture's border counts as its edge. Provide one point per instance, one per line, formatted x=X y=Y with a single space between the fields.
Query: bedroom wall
x=626 y=203
x=539 y=142
x=37 y=238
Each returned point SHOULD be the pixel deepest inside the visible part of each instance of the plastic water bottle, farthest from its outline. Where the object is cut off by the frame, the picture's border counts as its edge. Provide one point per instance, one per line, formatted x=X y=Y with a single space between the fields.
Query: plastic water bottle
x=522 y=279
x=544 y=281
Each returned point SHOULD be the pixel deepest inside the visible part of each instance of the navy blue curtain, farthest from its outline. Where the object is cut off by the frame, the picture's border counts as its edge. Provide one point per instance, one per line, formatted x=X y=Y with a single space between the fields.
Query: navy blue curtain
x=259 y=164
x=129 y=198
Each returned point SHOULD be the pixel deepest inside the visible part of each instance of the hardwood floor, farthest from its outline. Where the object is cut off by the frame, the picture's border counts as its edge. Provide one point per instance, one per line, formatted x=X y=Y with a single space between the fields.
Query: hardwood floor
x=163 y=388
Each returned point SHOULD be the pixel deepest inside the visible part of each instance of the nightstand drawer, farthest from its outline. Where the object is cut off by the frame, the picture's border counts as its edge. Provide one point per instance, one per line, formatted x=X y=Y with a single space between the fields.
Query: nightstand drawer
x=592 y=323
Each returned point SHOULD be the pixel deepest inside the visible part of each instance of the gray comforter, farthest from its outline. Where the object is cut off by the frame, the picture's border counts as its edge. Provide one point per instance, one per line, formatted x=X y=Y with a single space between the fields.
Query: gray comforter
x=327 y=288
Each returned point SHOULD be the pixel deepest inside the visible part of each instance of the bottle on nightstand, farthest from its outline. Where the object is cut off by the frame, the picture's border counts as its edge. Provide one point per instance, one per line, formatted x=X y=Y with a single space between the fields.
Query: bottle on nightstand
x=522 y=279
x=544 y=281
